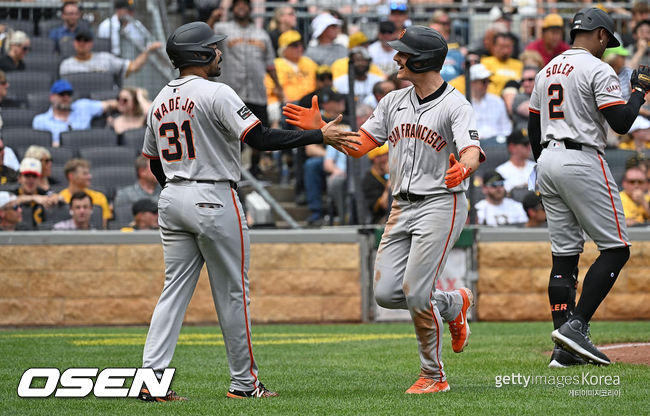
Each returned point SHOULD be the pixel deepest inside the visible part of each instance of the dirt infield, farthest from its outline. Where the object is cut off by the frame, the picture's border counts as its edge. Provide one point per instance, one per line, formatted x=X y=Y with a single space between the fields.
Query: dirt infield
x=631 y=352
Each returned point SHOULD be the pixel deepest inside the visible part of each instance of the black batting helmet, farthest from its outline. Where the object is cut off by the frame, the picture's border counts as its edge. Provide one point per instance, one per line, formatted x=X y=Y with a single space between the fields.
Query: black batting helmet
x=589 y=19
x=426 y=46
x=190 y=45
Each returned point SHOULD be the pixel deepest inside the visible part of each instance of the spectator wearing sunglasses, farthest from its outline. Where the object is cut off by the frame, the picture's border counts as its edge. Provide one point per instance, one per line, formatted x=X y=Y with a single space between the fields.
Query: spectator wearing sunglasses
x=520 y=102
x=45 y=180
x=65 y=114
x=132 y=105
x=11 y=214
x=497 y=210
x=635 y=198
x=18 y=46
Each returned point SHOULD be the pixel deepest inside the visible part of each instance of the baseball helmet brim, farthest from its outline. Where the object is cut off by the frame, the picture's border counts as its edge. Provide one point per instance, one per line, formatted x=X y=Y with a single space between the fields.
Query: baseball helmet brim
x=400 y=46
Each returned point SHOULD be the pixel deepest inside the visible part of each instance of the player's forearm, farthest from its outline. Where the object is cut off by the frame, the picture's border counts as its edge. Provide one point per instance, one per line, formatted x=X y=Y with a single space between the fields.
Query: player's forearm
x=156 y=168
x=471 y=158
x=535 y=134
x=620 y=117
x=263 y=138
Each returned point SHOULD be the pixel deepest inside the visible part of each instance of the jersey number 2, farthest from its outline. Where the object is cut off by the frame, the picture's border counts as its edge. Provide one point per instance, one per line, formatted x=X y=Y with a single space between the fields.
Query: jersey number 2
x=165 y=130
x=556 y=92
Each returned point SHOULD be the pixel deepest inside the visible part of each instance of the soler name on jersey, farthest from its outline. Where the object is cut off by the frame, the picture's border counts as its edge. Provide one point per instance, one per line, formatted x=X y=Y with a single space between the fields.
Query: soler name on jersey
x=173 y=104
x=563 y=69
x=417 y=131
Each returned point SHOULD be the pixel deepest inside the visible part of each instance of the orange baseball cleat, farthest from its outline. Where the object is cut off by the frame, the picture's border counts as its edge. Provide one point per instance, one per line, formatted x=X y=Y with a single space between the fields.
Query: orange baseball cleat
x=459 y=327
x=427 y=385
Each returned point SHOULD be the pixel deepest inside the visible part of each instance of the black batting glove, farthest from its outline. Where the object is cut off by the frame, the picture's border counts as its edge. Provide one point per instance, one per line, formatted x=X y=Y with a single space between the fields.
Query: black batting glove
x=640 y=79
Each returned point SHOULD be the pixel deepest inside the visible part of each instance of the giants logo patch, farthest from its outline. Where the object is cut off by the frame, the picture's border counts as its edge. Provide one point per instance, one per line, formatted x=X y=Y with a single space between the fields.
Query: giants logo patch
x=244 y=112
x=473 y=135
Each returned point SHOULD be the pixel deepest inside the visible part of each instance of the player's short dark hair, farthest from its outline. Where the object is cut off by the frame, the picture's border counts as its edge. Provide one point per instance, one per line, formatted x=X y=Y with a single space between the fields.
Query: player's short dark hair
x=80 y=195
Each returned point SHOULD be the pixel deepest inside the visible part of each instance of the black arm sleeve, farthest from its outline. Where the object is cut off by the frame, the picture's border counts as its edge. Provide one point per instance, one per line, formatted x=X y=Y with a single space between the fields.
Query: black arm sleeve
x=620 y=117
x=263 y=138
x=535 y=134
x=156 y=168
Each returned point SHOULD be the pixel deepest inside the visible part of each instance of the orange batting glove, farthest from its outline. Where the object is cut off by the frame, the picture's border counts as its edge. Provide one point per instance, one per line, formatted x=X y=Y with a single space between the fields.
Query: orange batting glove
x=456 y=172
x=305 y=118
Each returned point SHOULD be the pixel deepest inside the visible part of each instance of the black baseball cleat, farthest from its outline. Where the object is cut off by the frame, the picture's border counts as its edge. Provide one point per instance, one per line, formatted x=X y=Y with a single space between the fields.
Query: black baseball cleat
x=171 y=396
x=573 y=335
x=260 y=391
x=561 y=358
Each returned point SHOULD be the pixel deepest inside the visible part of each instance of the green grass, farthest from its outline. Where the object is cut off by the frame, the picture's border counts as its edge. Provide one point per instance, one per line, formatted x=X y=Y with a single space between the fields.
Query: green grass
x=330 y=369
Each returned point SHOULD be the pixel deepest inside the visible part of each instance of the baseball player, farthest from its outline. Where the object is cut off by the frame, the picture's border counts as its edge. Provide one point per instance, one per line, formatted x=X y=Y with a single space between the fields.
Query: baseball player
x=194 y=132
x=573 y=97
x=427 y=126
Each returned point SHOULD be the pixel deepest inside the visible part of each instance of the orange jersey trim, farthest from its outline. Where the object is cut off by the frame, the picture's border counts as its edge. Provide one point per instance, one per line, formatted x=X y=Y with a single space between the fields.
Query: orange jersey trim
x=481 y=157
x=611 y=104
x=435 y=277
x=611 y=197
x=532 y=110
x=243 y=135
x=150 y=157
x=243 y=285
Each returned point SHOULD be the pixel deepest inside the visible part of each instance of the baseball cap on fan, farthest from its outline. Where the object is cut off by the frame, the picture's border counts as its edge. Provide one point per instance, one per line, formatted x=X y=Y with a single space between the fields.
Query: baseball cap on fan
x=29 y=165
x=493 y=179
x=322 y=22
x=478 y=72
x=378 y=151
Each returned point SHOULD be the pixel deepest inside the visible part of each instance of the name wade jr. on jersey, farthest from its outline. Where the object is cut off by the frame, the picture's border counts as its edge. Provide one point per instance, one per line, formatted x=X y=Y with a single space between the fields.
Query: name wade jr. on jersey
x=417 y=131
x=173 y=104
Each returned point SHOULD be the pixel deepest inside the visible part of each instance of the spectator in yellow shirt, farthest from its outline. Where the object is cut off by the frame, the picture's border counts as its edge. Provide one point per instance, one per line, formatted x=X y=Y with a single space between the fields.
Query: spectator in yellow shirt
x=77 y=172
x=503 y=67
x=340 y=66
x=635 y=198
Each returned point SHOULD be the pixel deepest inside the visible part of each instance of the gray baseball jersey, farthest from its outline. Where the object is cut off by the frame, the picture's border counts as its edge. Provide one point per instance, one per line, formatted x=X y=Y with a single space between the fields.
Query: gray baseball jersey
x=577 y=187
x=422 y=137
x=568 y=94
x=420 y=233
x=197 y=139
x=195 y=127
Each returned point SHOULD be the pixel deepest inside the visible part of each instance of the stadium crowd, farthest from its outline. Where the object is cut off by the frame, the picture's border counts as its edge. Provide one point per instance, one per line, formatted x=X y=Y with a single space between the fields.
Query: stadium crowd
x=71 y=134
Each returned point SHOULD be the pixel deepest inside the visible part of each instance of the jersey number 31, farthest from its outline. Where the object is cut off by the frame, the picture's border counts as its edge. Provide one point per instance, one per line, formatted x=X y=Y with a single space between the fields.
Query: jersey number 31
x=171 y=132
x=556 y=92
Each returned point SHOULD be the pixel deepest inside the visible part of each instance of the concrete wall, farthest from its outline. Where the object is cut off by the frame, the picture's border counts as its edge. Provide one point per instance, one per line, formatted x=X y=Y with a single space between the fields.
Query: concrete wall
x=118 y=281
x=513 y=277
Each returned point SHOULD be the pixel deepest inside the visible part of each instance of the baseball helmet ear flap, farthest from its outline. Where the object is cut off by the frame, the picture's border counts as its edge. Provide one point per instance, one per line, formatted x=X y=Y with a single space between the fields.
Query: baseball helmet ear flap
x=191 y=44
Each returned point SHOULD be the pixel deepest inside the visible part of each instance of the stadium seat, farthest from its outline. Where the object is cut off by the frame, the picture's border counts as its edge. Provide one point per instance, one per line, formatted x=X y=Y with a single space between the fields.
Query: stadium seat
x=45 y=62
x=17 y=117
x=77 y=139
x=24 y=137
x=60 y=155
x=108 y=156
x=616 y=159
x=495 y=155
x=39 y=101
x=113 y=178
x=59 y=174
x=24 y=82
x=26 y=26
x=134 y=139
x=40 y=44
x=102 y=95
x=85 y=83
x=46 y=25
